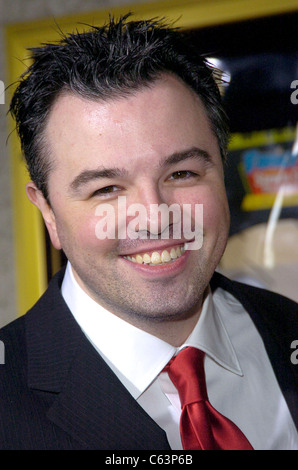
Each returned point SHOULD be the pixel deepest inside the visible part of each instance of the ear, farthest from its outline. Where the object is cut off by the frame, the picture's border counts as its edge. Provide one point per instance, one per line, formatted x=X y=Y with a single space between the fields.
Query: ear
x=37 y=198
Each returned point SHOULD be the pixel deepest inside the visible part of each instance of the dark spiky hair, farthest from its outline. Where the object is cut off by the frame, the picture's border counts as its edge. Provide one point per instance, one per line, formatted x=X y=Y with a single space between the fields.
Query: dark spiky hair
x=101 y=63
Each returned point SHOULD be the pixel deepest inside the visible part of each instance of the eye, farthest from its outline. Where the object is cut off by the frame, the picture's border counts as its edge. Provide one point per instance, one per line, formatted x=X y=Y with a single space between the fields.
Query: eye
x=183 y=174
x=106 y=190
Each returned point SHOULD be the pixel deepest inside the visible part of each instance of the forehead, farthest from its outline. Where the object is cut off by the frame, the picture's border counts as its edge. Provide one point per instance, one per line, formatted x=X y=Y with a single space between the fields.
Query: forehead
x=152 y=122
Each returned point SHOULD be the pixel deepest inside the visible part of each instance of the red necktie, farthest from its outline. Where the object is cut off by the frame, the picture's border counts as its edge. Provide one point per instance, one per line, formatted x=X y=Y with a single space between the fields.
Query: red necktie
x=201 y=426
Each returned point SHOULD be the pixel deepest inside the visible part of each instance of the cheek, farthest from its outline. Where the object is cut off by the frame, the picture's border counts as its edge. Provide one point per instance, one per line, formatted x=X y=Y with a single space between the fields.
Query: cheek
x=215 y=207
x=80 y=232
x=216 y=212
x=96 y=235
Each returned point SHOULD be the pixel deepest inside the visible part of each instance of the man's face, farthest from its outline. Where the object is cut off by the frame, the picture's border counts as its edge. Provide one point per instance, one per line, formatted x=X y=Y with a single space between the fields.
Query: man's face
x=153 y=147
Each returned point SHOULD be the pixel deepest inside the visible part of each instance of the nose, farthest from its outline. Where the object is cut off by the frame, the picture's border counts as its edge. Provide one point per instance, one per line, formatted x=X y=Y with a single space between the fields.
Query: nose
x=148 y=214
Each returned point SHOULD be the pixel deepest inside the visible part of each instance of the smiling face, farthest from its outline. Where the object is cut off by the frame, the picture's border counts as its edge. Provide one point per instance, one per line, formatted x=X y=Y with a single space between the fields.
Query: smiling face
x=153 y=147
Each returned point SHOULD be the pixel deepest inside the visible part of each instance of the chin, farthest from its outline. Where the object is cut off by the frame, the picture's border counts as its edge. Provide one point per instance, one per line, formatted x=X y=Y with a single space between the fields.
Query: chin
x=169 y=309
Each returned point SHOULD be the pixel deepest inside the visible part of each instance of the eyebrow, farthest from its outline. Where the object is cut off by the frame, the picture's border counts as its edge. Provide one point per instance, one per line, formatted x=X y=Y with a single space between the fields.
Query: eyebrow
x=89 y=175
x=193 y=152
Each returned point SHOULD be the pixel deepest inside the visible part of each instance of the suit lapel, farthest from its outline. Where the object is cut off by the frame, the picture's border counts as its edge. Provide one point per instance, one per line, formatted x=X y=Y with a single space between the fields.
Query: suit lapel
x=91 y=404
x=98 y=411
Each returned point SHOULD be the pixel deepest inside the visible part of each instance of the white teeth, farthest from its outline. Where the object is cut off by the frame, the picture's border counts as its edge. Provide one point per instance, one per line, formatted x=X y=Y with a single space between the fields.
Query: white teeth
x=157 y=258
x=165 y=256
x=146 y=259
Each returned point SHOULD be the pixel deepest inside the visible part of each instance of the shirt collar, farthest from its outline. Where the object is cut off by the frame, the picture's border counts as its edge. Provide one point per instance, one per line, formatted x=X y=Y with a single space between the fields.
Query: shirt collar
x=136 y=356
x=210 y=335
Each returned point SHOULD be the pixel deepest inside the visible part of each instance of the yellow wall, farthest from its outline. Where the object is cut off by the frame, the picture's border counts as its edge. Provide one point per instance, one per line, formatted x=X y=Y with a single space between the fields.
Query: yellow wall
x=28 y=227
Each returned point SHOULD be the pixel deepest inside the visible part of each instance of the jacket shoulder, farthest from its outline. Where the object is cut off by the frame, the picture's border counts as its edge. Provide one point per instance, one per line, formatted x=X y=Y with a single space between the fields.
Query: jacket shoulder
x=264 y=302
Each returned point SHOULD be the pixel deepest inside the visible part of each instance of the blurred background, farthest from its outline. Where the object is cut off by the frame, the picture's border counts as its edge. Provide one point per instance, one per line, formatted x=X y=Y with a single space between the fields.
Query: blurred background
x=254 y=43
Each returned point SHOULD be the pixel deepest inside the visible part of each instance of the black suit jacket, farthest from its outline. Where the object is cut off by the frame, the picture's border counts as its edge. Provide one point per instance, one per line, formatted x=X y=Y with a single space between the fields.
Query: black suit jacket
x=57 y=393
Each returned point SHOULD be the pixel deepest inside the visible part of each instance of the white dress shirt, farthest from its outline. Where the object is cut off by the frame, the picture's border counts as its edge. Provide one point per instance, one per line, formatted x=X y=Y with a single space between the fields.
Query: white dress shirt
x=240 y=381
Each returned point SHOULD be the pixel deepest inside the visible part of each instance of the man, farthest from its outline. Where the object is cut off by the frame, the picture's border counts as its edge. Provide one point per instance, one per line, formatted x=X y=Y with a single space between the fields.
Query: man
x=130 y=112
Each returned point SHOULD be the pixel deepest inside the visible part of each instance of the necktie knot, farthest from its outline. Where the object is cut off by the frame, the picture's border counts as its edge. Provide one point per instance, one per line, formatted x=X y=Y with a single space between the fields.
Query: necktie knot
x=186 y=371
